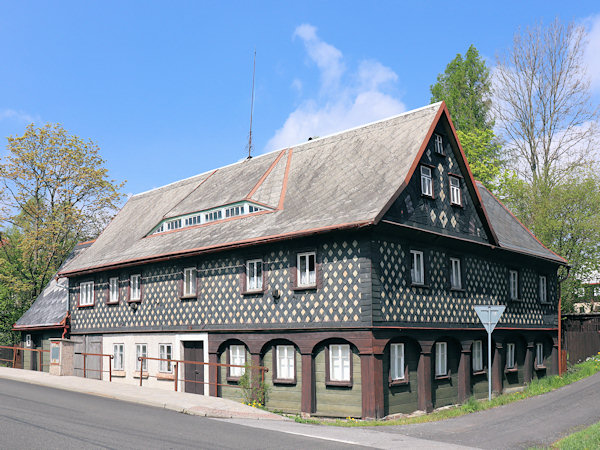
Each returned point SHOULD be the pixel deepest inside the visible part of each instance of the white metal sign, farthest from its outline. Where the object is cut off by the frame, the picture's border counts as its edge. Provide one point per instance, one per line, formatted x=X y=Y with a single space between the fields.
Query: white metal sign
x=489 y=316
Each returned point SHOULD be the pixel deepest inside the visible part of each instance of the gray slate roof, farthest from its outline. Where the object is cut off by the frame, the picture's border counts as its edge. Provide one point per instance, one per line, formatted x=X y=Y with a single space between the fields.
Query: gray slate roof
x=51 y=306
x=339 y=181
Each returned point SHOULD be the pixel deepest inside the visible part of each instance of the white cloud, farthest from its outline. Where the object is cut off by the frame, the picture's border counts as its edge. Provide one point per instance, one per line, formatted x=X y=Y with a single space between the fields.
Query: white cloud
x=345 y=99
x=20 y=116
x=592 y=51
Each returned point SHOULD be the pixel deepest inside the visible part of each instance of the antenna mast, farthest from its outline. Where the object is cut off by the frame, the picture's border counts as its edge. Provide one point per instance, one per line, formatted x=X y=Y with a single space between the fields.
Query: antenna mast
x=251 y=108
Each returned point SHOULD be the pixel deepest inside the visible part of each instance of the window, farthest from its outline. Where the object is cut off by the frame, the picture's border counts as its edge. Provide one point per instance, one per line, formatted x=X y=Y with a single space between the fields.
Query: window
x=339 y=362
x=174 y=224
x=539 y=354
x=455 y=194
x=113 y=288
x=477 y=356
x=118 y=352
x=307 y=274
x=439 y=144
x=254 y=275
x=165 y=351
x=542 y=289
x=426 y=181
x=513 y=284
x=213 y=215
x=28 y=342
x=252 y=208
x=285 y=362
x=135 y=292
x=397 y=362
x=455 y=274
x=86 y=293
x=141 y=351
x=441 y=359
x=189 y=282
x=234 y=211
x=510 y=355
x=237 y=356
x=194 y=220
x=417 y=271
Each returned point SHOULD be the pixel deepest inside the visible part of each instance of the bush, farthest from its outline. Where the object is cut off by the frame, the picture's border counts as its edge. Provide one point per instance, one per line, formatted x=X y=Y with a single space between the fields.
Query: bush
x=254 y=389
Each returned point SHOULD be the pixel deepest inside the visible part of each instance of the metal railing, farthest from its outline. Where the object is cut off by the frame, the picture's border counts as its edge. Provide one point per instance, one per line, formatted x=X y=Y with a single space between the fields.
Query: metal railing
x=16 y=349
x=102 y=356
x=214 y=383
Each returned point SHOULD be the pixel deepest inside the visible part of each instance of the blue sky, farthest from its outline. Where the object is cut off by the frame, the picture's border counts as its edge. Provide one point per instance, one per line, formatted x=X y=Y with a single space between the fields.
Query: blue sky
x=164 y=87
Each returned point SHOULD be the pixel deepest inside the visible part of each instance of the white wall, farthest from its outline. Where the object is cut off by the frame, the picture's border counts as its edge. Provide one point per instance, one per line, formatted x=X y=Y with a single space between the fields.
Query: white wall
x=152 y=342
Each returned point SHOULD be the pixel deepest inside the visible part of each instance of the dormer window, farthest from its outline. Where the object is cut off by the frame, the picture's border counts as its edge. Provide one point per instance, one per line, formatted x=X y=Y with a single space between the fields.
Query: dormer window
x=234 y=211
x=426 y=181
x=455 y=194
x=213 y=215
x=438 y=144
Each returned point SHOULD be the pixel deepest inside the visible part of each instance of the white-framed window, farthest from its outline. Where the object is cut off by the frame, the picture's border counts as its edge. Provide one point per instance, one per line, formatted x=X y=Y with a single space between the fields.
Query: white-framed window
x=135 y=292
x=118 y=356
x=213 y=215
x=254 y=275
x=189 y=281
x=307 y=269
x=237 y=356
x=234 y=211
x=513 y=284
x=543 y=289
x=113 y=290
x=441 y=359
x=141 y=350
x=286 y=357
x=28 y=342
x=252 y=208
x=539 y=354
x=397 y=362
x=339 y=362
x=455 y=193
x=510 y=355
x=417 y=267
x=455 y=274
x=477 y=356
x=426 y=181
x=86 y=293
x=165 y=351
x=439 y=144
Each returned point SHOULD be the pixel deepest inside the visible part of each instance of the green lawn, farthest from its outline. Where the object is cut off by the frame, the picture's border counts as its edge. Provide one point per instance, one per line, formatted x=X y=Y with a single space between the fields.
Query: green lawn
x=536 y=387
x=588 y=438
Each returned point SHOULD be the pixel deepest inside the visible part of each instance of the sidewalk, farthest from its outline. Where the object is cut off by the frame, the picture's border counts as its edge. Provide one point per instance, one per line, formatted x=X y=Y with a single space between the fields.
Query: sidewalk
x=194 y=404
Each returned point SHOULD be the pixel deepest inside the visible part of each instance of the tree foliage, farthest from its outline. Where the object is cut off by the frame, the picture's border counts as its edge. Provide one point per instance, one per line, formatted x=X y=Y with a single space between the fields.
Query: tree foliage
x=55 y=191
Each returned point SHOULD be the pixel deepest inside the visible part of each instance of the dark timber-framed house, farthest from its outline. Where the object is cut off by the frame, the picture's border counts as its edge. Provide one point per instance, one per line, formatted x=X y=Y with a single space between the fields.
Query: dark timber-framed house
x=349 y=265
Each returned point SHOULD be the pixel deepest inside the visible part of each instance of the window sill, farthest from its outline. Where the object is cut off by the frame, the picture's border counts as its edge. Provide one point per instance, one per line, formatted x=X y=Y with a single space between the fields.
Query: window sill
x=86 y=306
x=519 y=300
x=347 y=384
x=119 y=373
x=456 y=205
x=439 y=153
x=458 y=289
x=284 y=381
x=233 y=379
x=480 y=372
x=442 y=377
x=420 y=285
x=137 y=374
x=311 y=287
x=254 y=292
x=546 y=303
x=540 y=367
x=513 y=370
x=165 y=376
x=430 y=197
x=138 y=300
x=402 y=382
x=188 y=297
x=113 y=303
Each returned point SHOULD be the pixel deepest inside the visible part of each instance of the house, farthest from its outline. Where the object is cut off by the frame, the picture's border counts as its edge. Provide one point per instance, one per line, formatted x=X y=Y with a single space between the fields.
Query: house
x=47 y=318
x=349 y=265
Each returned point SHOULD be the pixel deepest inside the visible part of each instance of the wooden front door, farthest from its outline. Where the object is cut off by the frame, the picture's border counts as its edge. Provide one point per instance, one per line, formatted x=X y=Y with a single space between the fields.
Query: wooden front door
x=194 y=373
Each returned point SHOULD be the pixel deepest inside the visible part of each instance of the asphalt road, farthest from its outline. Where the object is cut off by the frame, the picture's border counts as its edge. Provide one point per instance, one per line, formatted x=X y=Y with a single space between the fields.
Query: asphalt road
x=538 y=421
x=38 y=417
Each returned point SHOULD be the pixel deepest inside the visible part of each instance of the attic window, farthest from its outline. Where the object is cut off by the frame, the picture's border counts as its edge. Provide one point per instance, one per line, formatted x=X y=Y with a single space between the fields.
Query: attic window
x=213 y=215
x=439 y=144
x=426 y=181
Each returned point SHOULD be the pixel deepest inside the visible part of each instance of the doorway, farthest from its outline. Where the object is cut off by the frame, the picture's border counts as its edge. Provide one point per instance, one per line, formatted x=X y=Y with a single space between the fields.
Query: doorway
x=194 y=373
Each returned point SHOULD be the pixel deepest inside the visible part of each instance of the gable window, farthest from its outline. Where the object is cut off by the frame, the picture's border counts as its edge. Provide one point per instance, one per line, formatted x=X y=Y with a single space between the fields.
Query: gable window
x=339 y=362
x=417 y=269
x=426 y=181
x=189 y=282
x=285 y=362
x=307 y=273
x=543 y=289
x=254 y=275
x=477 y=356
x=237 y=356
x=86 y=293
x=397 y=362
x=118 y=352
x=455 y=274
x=441 y=359
x=539 y=354
x=113 y=290
x=513 y=284
x=135 y=292
x=141 y=351
x=510 y=355
x=165 y=351
x=455 y=194
x=439 y=144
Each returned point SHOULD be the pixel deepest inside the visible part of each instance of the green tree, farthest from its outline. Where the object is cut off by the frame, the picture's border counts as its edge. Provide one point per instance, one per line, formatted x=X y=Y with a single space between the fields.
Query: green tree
x=465 y=86
x=55 y=191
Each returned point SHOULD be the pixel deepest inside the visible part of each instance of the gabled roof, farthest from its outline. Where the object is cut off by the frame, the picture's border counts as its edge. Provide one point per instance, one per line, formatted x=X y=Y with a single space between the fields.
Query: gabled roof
x=51 y=306
x=341 y=181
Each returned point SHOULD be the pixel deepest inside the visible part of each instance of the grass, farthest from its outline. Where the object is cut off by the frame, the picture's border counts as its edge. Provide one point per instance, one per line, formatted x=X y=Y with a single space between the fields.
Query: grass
x=588 y=438
x=536 y=387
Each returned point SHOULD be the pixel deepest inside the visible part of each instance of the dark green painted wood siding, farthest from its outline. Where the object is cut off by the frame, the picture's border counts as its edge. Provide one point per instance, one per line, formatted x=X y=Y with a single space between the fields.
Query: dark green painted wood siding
x=401 y=398
x=283 y=397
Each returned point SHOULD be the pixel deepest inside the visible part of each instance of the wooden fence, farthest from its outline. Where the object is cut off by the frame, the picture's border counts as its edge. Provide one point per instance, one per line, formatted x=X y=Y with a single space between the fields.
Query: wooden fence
x=581 y=336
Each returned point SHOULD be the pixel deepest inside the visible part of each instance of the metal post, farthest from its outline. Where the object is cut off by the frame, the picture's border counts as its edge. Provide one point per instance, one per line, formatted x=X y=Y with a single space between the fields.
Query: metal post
x=110 y=357
x=84 y=366
x=176 y=374
x=489 y=366
x=141 y=367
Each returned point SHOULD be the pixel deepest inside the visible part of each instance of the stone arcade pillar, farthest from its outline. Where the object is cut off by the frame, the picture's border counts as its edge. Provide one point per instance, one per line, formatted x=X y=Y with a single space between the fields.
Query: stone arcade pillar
x=371 y=370
x=497 y=367
x=424 y=378
x=307 y=405
x=62 y=352
x=464 y=372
